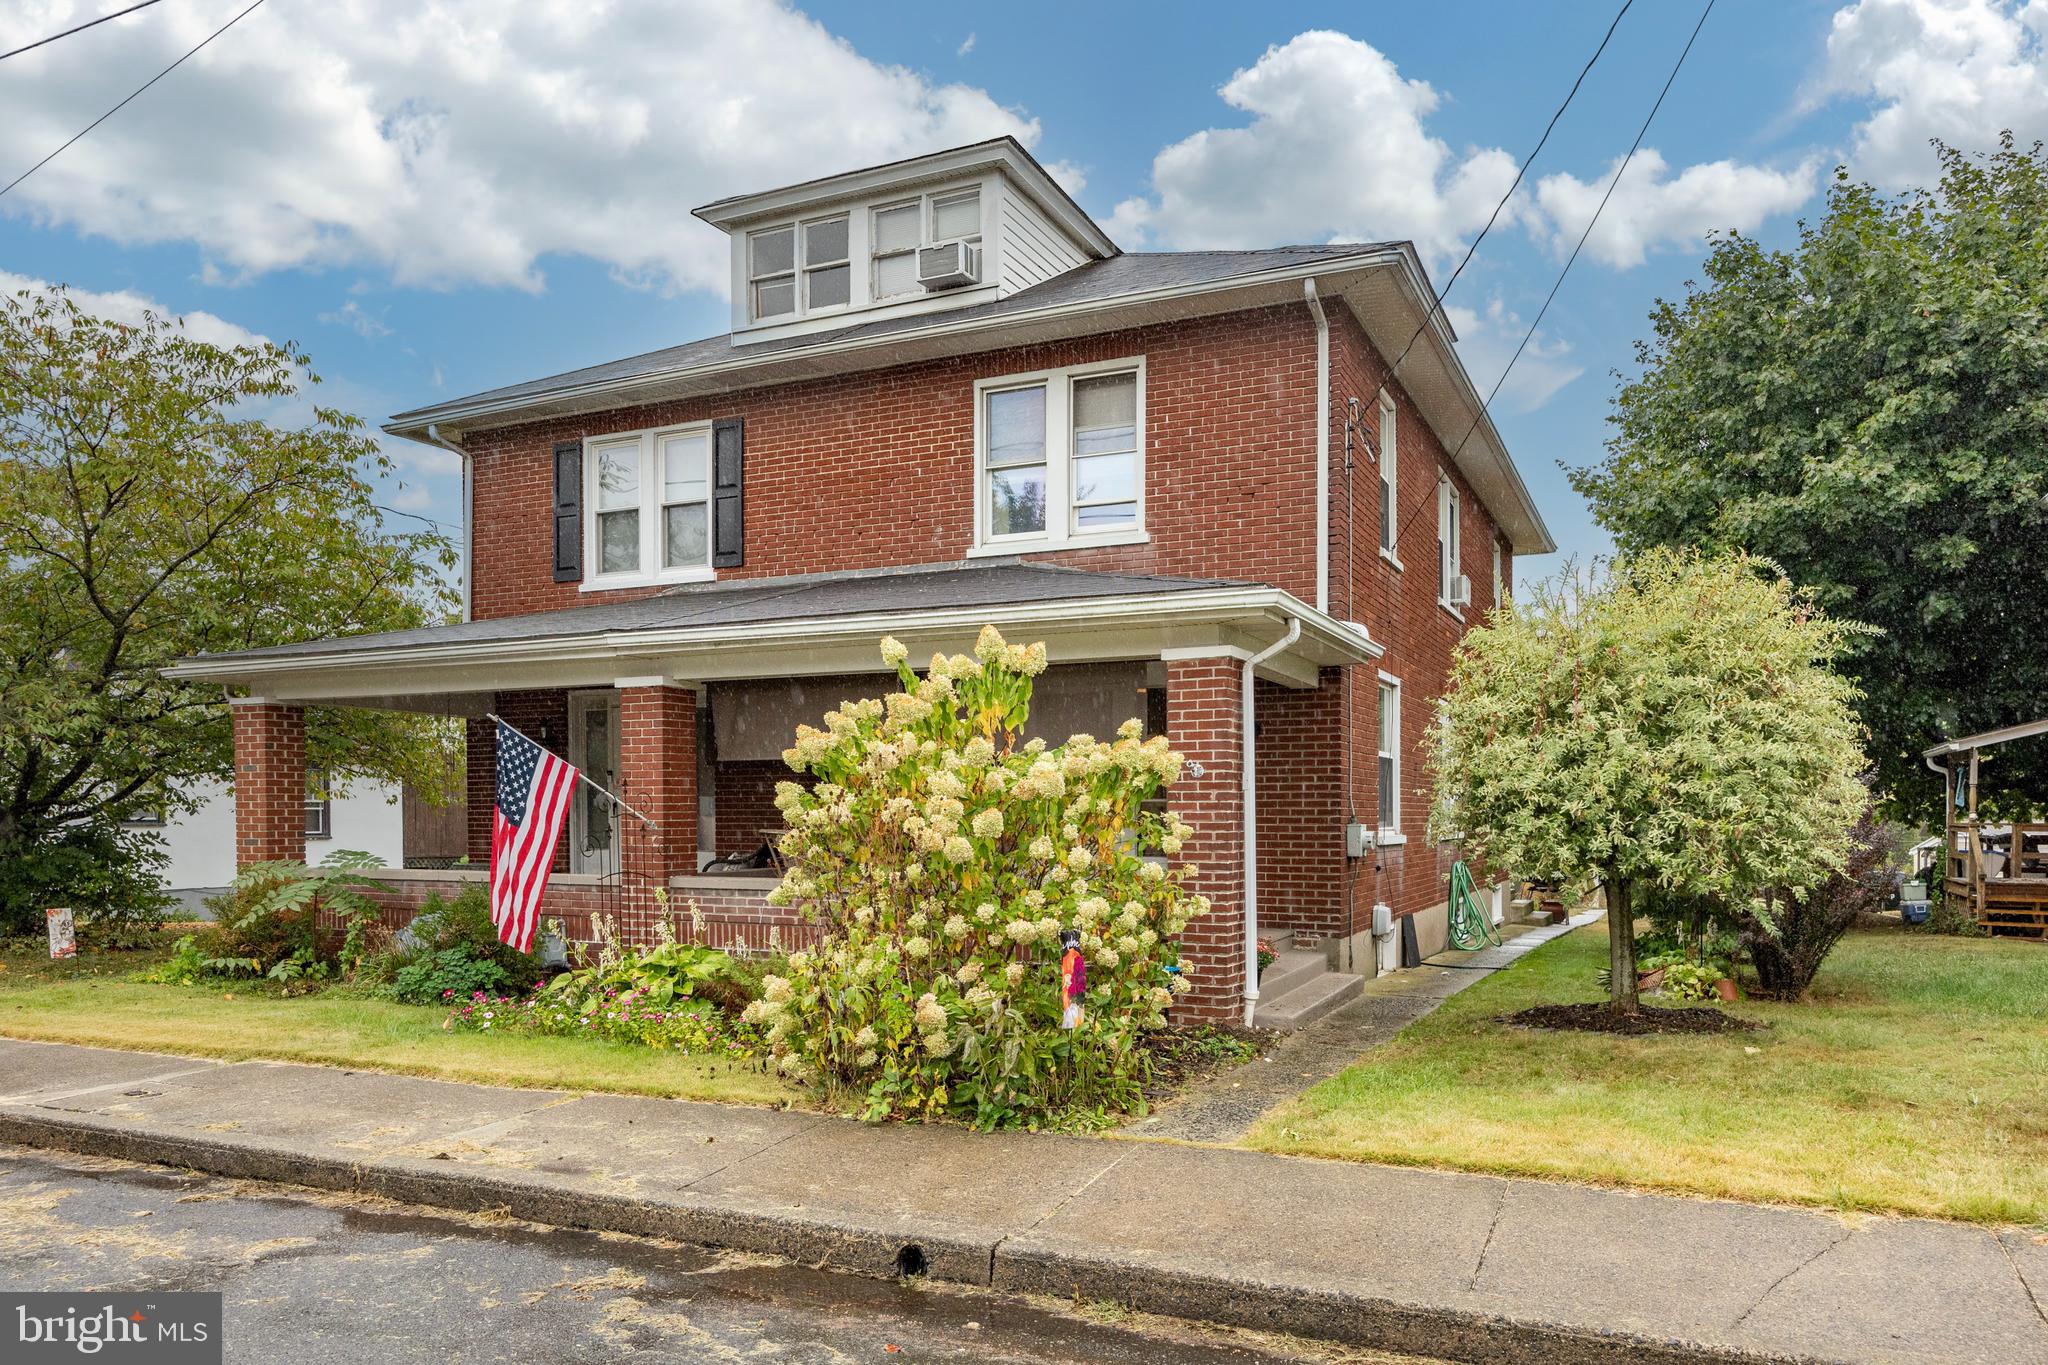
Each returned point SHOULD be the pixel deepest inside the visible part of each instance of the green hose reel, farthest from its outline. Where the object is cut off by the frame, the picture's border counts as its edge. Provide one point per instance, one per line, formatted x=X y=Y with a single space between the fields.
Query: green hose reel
x=1471 y=926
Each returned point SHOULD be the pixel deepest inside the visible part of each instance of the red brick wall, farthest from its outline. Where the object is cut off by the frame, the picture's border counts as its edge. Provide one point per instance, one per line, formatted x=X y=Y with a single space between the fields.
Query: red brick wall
x=1301 y=742
x=734 y=917
x=270 y=783
x=1204 y=723
x=1399 y=607
x=542 y=715
x=658 y=778
x=884 y=463
x=744 y=797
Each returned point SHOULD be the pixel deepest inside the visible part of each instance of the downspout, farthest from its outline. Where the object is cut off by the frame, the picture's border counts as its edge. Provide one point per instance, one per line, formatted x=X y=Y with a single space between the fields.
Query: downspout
x=1315 y=307
x=1251 y=821
x=468 y=509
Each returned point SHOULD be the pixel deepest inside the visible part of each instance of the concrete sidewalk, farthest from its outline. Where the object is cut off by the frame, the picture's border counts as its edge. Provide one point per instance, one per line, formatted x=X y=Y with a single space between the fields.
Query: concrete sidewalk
x=1461 y=1266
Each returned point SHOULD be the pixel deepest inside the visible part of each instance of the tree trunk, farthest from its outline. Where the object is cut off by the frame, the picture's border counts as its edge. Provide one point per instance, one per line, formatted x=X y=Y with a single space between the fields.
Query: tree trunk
x=1621 y=946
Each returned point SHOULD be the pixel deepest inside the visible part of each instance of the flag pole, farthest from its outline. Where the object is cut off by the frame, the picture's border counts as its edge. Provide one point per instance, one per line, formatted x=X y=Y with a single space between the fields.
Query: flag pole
x=581 y=776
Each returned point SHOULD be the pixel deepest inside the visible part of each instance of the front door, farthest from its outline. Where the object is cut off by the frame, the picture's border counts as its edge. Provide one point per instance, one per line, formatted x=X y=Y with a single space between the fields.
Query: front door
x=594 y=748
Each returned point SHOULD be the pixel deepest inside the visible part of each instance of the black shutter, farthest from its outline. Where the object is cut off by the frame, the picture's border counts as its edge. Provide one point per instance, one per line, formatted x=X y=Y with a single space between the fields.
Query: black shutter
x=569 y=512
x=728 y=518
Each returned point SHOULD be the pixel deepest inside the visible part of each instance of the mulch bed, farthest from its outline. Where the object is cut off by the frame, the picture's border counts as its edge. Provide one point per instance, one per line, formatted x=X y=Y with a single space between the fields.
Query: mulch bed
x=1185 y=1055
x=1647 y=1020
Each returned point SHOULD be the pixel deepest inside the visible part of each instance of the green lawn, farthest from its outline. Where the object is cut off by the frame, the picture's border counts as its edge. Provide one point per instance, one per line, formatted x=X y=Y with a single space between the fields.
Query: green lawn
x=1913 y=1080
x=88 y=1000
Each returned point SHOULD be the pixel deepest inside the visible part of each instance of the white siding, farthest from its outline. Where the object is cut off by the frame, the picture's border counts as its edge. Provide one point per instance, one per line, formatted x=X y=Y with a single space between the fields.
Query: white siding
x=202 y=844
x=1032 y=249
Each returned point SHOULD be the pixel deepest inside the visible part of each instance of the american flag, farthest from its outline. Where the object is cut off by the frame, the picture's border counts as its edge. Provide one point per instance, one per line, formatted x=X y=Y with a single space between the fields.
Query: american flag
x=533 y=797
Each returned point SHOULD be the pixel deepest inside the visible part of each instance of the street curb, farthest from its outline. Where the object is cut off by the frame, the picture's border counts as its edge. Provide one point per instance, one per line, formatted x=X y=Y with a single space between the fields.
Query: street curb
x=962 y=1255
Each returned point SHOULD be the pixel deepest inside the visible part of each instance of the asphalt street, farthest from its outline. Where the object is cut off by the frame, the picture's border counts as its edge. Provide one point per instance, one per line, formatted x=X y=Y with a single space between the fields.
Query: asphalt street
x=314 y=1277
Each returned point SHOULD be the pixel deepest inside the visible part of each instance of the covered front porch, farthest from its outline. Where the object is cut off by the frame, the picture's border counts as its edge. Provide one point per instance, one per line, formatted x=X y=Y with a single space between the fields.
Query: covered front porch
x=682 y=703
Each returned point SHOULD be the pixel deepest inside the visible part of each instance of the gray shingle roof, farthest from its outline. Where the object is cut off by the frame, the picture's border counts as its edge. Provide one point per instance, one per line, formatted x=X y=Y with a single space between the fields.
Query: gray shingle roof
x=1133 y=272
x=759 y=601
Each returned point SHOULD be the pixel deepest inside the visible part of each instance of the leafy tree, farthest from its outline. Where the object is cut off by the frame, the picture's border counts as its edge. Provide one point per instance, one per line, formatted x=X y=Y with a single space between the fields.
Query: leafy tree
x=1677 y=725
x=1868 y=411
x=149 y=511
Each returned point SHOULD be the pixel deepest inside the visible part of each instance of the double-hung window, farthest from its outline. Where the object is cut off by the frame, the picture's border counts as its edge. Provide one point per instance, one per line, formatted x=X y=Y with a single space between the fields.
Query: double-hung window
x=1447 y=543
x=1390 y=526
x=1390 y=756
x=650 y=495
x=319 y=806
x=1060 y=457
x=896 y=231
x=798 y=268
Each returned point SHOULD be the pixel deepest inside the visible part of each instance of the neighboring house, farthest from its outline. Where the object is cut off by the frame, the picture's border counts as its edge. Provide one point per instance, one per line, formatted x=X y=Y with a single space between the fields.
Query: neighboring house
x=947 y=400
x=201 y=843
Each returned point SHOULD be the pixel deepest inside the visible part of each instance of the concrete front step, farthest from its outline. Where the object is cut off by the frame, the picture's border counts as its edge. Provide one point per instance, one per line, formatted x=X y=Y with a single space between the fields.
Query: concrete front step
x=1292 y=968
x=1306 y=1002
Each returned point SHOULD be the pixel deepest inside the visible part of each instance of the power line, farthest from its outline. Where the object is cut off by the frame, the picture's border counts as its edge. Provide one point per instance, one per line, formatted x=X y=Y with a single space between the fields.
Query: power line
x=80 y=29
x=124 y=103
x=1437 y=306
x=1557 y=284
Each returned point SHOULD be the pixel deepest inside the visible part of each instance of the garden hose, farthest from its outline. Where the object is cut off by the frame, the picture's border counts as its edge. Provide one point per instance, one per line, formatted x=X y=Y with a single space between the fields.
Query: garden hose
x=1471 y=926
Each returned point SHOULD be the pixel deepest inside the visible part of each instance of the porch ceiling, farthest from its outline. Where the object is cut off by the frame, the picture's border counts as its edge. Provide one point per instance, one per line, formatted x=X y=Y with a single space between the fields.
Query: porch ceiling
x=784 y=627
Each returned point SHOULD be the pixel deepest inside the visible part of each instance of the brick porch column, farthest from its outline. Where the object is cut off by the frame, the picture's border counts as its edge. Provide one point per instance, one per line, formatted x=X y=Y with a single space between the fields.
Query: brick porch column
x=270 y=781
x=1204 y=723
x=481 y=788
x=658 y=777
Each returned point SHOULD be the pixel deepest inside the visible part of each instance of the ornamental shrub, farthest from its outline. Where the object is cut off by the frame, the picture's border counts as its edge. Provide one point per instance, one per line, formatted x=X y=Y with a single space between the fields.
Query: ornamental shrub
x=942 y=859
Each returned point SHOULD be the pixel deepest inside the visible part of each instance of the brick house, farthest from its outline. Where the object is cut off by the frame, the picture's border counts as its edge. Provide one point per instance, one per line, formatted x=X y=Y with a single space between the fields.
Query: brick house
x=948 y=399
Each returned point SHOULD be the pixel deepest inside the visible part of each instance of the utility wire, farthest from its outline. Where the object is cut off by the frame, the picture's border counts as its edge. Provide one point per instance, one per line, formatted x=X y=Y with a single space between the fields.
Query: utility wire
x=80 y=29
x=124 y=103
x=1619 y=171
x=1437 y=306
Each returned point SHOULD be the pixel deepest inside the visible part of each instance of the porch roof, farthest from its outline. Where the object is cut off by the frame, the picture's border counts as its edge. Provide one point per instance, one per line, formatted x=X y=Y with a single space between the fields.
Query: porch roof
x=806 y=624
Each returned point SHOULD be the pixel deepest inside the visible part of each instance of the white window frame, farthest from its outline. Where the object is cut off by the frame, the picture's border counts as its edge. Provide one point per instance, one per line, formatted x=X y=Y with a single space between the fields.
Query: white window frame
x=799 y=272
x=876 y=255
x=1496 y=573
x=927 y=206
x=1449 y=542
x=1390 y=482
x=319 y=809
x=1390 y=752
x=1059 y=472
x=652 y=524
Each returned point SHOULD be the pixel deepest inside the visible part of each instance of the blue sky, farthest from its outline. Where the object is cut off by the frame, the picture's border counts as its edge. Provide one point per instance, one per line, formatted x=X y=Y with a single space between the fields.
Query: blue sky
x=435 y=199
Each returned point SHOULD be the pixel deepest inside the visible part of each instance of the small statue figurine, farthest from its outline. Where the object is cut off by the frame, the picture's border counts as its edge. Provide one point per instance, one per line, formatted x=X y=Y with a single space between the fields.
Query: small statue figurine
x=1073 y=977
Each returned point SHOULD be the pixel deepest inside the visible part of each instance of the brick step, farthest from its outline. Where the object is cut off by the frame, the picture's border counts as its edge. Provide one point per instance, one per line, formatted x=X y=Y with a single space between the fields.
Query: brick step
x=1307 y=1002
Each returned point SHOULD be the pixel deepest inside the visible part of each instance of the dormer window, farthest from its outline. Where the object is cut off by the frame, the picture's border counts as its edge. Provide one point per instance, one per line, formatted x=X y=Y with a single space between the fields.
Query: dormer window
x=898 y=230
x=775 y=268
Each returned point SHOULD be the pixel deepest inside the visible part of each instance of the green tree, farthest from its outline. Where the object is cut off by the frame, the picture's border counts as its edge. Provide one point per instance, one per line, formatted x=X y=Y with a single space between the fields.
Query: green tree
x=149 y=511
x=1870 y=411
x=1677 y=726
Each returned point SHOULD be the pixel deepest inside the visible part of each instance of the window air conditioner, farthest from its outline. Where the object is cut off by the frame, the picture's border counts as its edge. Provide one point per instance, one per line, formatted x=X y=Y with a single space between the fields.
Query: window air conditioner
x=948 y=266
x=1461 y=591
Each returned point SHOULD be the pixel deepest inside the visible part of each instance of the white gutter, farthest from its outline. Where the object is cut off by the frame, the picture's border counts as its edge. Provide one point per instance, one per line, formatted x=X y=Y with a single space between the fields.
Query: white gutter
x=1122 y=611
x=1315 y=306
x=1251 y=820
x=468 y=510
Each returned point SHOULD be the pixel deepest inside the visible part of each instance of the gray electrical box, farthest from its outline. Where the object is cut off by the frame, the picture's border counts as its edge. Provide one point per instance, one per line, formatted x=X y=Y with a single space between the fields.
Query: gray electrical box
x=1358 y=840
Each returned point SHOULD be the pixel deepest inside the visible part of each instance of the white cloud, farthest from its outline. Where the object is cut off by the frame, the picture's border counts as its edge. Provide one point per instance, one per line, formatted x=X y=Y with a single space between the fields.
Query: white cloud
x=1487 y=341
x=967 y=45
x=125 y=305
x=1959 y=70
x=1652 y=208
x=458 y=143
x=1337 y=149
x=352 y=316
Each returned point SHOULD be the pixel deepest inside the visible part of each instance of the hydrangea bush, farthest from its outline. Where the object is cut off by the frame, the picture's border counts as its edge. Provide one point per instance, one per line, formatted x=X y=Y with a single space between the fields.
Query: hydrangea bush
x=942 y=860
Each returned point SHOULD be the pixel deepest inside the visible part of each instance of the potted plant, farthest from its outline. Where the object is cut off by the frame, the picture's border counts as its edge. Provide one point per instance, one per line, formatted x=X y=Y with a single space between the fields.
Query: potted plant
x=1266 y=956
